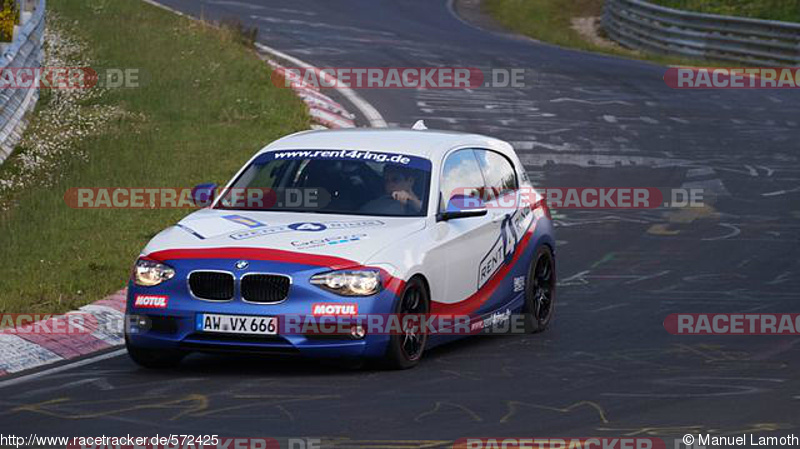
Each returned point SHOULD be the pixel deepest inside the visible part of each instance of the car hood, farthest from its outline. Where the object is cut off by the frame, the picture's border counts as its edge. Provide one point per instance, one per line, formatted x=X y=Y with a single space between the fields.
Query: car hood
x=349 y=237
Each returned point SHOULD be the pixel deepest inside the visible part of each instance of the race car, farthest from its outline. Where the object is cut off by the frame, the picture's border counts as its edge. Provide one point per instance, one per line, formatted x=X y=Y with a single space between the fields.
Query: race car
x=348 y=224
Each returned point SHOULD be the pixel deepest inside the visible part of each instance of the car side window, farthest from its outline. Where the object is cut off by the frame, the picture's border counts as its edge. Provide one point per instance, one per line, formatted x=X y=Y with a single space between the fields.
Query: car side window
x=498 y=171
x=461 y=175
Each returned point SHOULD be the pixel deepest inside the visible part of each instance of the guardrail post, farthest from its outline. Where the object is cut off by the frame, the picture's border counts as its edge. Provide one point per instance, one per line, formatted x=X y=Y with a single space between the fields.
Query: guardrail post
x=797 y=57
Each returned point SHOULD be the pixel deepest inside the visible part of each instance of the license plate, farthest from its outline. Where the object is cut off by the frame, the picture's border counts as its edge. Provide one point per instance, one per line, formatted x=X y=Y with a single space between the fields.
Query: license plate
x=237 y=324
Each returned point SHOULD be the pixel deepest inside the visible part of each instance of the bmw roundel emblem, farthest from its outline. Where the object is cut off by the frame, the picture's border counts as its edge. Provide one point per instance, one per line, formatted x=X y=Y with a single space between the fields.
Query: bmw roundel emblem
x=242 y=264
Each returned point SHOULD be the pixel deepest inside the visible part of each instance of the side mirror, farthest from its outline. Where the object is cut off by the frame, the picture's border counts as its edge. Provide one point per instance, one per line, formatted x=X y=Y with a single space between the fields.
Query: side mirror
x=463 y=206
x=203 y=194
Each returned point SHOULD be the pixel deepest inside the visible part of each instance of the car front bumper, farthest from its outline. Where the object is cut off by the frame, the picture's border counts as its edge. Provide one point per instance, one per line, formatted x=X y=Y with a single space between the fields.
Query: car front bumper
x=174 y=326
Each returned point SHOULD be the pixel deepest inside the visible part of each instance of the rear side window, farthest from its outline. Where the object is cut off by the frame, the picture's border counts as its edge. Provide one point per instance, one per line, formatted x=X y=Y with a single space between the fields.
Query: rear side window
x=499 y=173
x=461 y=175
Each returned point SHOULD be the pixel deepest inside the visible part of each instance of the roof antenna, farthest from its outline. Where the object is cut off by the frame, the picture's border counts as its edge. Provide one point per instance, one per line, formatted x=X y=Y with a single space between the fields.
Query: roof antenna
x=419 y=126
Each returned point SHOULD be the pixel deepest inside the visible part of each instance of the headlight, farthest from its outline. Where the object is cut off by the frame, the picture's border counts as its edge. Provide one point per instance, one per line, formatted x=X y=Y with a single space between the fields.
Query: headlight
x=349 y=282
x=148 y=273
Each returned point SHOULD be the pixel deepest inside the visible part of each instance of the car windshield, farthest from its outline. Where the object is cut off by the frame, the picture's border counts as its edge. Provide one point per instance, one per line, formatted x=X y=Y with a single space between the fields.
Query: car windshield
x=351 y=182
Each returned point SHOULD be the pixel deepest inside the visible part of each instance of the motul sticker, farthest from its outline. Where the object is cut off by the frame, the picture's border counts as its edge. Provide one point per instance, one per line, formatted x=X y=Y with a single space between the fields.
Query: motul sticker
x=151 y=301
x=334 y=309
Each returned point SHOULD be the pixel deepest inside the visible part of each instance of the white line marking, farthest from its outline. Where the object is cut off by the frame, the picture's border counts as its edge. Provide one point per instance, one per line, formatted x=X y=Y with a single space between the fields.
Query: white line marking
x=451 y=8
x=734 y=232
x=159 y=5
x=58 y=369
x=612 y=306
x=780 y=192
x=239 y=4
x=592 y=102
x=372 y=115
x=767 y=169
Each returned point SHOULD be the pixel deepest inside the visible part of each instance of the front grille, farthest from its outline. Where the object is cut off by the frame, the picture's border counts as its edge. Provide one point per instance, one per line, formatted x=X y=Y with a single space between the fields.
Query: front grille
x=211 y=285
x=271 y=345
x=265 y=288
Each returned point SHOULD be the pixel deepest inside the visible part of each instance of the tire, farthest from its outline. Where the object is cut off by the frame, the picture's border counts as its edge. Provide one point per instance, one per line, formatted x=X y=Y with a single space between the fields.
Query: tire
x=405 y=351
x=540 y=291
x=154 y=359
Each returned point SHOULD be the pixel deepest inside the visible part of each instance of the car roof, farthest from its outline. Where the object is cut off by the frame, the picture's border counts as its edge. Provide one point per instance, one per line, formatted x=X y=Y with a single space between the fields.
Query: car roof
x=431 y=144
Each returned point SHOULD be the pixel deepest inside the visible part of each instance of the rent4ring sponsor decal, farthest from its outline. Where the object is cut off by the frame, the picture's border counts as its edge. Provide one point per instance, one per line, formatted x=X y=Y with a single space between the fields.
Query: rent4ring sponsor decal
x=494 y=320
x=512 y=230
x=405 y=160
x=335 y=309
x=308 y=227
x=151 y=301
x=305 y=227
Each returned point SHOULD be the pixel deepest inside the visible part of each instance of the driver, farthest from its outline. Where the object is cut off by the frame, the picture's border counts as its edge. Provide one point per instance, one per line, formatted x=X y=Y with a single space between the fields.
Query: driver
x=399 y=197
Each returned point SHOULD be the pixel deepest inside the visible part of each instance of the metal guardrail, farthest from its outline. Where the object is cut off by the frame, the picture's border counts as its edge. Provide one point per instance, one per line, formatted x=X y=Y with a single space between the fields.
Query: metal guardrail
x=641 y=25
x=16 y=103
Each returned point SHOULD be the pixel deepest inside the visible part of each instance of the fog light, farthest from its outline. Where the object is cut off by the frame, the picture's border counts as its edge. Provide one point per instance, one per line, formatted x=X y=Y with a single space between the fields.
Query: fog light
x=137 y=324
x=358 y=332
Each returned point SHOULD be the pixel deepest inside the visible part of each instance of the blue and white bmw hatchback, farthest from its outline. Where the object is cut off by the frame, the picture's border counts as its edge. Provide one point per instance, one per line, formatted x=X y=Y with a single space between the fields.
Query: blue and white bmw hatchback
x=355 y=222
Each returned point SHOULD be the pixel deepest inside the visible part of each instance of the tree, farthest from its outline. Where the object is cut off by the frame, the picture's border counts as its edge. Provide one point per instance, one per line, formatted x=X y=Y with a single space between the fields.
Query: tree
x=9 y=16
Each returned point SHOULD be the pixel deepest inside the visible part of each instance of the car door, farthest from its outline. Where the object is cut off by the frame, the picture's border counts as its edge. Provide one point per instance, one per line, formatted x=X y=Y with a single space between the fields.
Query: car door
x=502 y=186
x=461 y=244
x=510 y=219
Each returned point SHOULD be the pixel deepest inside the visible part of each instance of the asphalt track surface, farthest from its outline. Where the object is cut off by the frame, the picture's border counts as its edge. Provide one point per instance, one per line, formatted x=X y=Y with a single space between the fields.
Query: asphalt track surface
x=607 y=367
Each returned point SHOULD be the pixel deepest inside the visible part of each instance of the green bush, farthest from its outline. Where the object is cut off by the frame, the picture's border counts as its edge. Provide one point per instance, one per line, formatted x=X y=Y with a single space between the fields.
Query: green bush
x=9 y=16
x=786 y=10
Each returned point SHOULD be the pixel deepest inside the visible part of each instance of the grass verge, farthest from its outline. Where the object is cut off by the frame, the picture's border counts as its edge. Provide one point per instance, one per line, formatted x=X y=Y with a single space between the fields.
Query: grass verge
x=552 y=21
x=205 y=103
x=784 y=10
